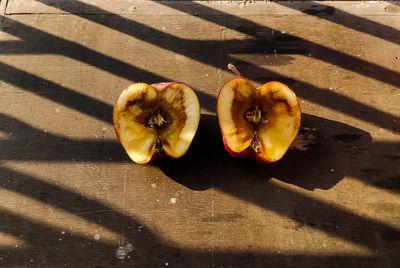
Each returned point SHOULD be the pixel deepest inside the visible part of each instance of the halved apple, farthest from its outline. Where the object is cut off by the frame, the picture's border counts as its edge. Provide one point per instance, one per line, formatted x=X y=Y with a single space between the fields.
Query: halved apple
x=155 y=120
x=258 y=123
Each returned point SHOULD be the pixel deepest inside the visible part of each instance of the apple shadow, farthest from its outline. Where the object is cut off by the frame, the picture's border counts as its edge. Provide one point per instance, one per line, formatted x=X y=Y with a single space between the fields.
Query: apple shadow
x=335 y=148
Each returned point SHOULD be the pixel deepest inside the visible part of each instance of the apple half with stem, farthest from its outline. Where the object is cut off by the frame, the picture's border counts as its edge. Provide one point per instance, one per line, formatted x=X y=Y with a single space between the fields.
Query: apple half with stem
x=152 y=121
x=260 y=123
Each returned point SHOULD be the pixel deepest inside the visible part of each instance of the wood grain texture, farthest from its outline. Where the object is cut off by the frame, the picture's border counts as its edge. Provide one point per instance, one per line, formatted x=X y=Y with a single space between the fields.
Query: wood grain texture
x=69 y=195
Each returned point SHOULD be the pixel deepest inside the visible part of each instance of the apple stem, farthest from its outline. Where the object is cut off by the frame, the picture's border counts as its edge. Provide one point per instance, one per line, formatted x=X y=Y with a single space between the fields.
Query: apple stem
x=233 y=69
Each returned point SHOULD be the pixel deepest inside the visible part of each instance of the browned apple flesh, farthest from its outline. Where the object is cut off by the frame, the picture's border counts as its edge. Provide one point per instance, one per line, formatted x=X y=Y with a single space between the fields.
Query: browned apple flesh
x=149 y=121
x=235 y=99
x=266 y=119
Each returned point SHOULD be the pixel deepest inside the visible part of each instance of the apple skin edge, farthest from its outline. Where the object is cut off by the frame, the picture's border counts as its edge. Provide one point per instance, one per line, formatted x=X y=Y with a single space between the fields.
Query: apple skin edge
x=249 y=152
x=153 y=157
x=246 y=153
x=242 y=154
x=160 y=87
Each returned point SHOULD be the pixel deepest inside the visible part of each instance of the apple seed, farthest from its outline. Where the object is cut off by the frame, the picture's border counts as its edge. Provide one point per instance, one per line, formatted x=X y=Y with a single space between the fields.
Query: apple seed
x=254 y=144
x=256 y=116
x=158 y=120
x=159 y=147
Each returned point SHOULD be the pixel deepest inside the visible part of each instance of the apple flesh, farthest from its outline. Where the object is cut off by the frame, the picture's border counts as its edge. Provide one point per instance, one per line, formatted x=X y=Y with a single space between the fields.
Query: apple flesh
x=152 y=121
x=258 y=123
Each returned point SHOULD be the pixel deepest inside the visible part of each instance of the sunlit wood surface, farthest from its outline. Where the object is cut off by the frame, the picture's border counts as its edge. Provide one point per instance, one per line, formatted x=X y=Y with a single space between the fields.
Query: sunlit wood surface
x=70 y=196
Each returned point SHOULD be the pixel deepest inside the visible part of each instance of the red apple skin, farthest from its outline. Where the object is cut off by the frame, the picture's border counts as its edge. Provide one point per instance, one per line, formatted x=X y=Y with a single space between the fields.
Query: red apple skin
x=242 y=154
x=162 y=85
x=153 y=157
x=248 y=152
x=258 y=157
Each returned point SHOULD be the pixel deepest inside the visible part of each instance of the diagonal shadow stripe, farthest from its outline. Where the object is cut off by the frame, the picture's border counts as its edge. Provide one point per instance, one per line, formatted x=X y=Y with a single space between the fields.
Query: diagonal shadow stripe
x=50 y=246
x=31 y=144
x=42 y=237
x=306 y=211
x=282 y=259
x=232 y=47
x=43 y=43
x=149 y=250
x=250 y=182
x=152 y=35
x=343 y=151
x=49 y=43
x=246 y=26
x=191 y=49
x=22 y=227
x=72 y=257
x=300 y=217
x=318 y=9
x=349 y=151
x=70 y=202
x=318 y=215
x=40 y=42
x=324 y=97
x=76 y=251
x=56 y=93
x=351 y=21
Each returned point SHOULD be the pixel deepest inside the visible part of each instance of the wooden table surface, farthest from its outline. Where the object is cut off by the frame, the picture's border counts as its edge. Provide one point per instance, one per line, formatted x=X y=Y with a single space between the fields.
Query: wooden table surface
x=71 y=197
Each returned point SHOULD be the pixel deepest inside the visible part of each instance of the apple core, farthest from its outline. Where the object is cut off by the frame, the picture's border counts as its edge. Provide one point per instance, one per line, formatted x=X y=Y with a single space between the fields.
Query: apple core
x=156 y=120
x=260 y=123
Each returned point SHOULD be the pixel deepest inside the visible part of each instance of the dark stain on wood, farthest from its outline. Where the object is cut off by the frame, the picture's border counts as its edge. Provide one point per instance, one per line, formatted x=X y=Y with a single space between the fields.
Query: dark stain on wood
x=315 y=11
x=391 y=183
x=347 y=138
x=372 y=171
